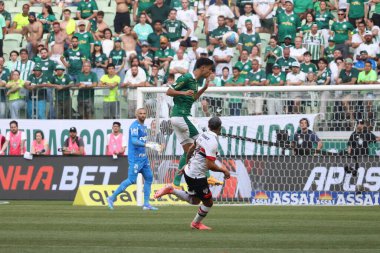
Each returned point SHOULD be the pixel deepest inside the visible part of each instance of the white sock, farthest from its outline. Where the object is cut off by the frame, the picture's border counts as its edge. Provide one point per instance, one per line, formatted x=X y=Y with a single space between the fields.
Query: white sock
x=182 y=195
x=202 y=212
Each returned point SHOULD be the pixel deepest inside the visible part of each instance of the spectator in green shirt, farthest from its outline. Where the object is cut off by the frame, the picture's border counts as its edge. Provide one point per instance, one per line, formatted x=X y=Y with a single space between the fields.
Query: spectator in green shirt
x=6 y=15
x=356 y=9
x=235 y=103
x=348 y=75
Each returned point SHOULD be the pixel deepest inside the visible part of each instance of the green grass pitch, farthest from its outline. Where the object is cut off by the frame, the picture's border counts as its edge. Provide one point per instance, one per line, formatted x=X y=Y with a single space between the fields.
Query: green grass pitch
x=57 y=226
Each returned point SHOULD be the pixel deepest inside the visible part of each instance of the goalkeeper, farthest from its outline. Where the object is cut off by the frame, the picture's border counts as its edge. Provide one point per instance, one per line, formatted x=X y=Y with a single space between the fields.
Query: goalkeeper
x=138 y=160
x=185 y=92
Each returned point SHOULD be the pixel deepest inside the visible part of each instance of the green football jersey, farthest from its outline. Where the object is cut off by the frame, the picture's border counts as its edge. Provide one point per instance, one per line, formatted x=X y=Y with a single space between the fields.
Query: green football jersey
x=276 y=50
x=248 y=41
x=86 y=9
x=47 y=65
x=356 y=8
x=341 y=31
x=117 y=56
x=285 y=63
x=154 y=39
x=101 y=58
x=329 y=53
x=306 y=68
x=85 y=94
x=144 y=5
x=244 y=67
x=276 y=79
x=288 y=25
x=74 y=57
x=219 y=32
x=174 y=29
x=85 y=40
x=164 y=53
x=61 y=80
x=323 y=19
x=183 y=104
x=42 y=92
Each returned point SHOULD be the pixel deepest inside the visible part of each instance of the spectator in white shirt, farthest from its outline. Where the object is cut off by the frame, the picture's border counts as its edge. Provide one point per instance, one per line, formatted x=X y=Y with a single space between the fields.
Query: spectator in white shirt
x=194 y=53
x=135 y=77
x=369 y=46
x=179 y=66
x=248 y=15
x=264 y=10
x=295 y=78
x=212 y=14
x=297 y=51
x=187 y=16
x=222 y=57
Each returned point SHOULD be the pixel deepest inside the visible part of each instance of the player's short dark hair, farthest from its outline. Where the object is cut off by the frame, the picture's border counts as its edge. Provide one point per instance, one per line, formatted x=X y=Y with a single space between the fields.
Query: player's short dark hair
x=214 y=123
x=67 y=10
x=203 y=62
x=116 y=123
x=13 y=122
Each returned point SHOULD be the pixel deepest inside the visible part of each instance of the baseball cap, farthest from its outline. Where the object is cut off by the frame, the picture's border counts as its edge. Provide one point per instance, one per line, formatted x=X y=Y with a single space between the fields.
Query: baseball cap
x=81 y=23
x=32 y=13
x=37 y=68
x=194 y=38
x=73 y=130
x=296 y=64
x=275 y=66
x=248 y=21
x=331 y=38
x=288 y=37
x=144 y=43
x=348 y=60
x=98 y=43
x=363 y=52
x=59 y=67
x=117 y=39
x=290 y=1
x=368 y=33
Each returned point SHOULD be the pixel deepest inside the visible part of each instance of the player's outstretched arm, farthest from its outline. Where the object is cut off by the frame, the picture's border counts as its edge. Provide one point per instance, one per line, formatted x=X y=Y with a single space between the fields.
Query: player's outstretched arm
x=212 y=166
x=174 y=93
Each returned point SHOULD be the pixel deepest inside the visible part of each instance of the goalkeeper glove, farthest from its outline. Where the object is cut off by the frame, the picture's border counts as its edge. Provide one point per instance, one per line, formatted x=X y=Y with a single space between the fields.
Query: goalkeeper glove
x=153 y=145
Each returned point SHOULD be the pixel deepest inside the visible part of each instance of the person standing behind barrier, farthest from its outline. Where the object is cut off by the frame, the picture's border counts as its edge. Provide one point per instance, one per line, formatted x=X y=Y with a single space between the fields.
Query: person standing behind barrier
x=4 y=76
x=36 y=84
x=115 y=142
x=87 y=80
x=15 y=98
x=111 y=82
x=74 y=144
x=15 y=139
x=39 y=145
x=62 y=83
x=304 y=139
x=73 y=59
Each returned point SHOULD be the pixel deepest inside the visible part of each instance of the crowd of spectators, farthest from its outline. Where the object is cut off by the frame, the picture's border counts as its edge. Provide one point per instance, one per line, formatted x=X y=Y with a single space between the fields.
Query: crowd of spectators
x=152 y=42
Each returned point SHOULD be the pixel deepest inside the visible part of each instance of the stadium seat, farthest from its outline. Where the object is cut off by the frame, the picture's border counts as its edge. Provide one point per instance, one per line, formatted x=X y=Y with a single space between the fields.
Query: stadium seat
x=57 y=12
x=102 y=5
x=20 y=3
x=73 y=10
x=9 y=4
x=109 y=15
x=36 y=9
x=14 y=38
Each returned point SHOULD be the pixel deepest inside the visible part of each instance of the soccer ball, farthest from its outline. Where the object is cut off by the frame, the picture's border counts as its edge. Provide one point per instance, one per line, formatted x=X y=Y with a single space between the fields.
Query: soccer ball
x=230 y=39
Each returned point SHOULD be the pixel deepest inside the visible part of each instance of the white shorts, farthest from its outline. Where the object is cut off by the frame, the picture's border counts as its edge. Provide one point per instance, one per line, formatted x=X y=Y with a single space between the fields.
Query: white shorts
x=186 y=129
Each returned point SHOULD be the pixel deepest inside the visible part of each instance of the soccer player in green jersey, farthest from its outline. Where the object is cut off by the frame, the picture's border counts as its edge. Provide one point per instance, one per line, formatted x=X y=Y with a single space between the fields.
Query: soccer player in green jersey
x=185 y=92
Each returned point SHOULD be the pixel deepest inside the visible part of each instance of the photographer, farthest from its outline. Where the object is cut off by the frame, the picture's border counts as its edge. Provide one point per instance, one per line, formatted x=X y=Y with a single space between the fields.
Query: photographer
x=73 y=145
x=304 y=139
x=360 y=139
